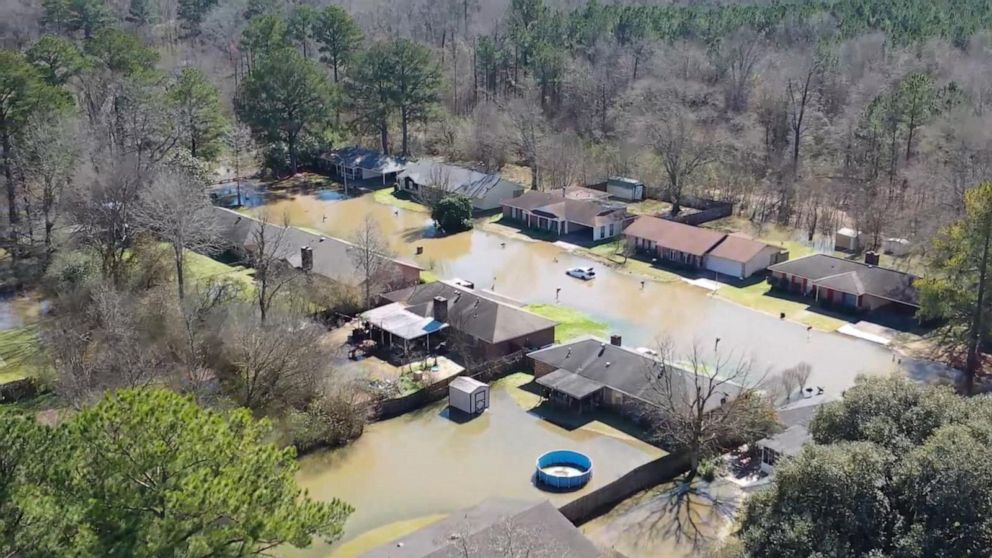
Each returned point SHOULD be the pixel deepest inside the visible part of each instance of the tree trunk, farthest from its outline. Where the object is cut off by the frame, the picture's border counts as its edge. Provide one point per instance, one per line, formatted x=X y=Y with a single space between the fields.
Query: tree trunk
x=180 y=275
x=977 y=320
x=405 y=122
x=11 y=195
x=384 y=137
x=292 y=154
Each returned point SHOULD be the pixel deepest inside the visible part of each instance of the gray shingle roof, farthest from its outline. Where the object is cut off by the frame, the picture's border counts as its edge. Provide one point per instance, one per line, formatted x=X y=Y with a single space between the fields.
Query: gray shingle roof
x=619 y=368
x=356 y=157
x=490 y=319
x=853 y=277
x=486 y=190
x=569 y=383
x=675 y=236
x=331 y=256
x=567 y=206
x=487 y=531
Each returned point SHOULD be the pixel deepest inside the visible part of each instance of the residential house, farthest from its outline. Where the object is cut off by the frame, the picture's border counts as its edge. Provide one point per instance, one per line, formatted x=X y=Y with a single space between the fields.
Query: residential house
x=359 y=163
x=741 y=257
x=847 y=284
x=790 y=441
x=568 y=211
x=318 y=255
x=427 y=177
x=496 y=528
x=700 y=249
x=589 y=372
x=492 y=325
x=626 y=189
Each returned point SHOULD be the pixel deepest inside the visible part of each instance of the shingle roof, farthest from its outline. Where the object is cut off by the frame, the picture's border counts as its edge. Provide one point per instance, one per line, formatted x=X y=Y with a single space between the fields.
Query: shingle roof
x=331 y=257
x=740 y=249
x=853 y=277
x=487 y=189
x=362 y=158
x=572 y=205
x=619 y=368
x=675 y=236
x=487 y=318
x=490 y=530
x=570 y=384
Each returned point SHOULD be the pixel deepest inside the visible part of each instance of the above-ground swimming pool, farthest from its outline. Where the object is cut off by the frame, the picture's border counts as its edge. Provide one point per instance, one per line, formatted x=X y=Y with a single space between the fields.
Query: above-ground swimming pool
x=564 y=469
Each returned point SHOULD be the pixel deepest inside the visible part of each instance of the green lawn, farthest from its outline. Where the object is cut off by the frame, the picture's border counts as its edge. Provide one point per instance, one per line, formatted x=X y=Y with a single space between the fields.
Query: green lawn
x=428 y=276
x=200 y=268
x=571 y=322
x=19 y=352
x=756 y=297
x=402 y=200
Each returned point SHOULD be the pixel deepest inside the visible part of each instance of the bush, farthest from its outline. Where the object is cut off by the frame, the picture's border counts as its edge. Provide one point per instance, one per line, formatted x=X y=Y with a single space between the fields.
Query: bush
x=453 y=213
x=707 y=469
x=329 y=421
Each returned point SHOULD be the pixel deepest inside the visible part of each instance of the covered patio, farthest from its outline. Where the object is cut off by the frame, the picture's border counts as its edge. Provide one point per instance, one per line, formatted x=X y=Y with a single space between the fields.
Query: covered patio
x=571 y=390
x=395 y=326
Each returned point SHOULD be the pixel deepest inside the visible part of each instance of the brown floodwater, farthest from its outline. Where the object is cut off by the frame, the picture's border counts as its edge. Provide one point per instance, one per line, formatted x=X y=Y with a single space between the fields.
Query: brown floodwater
x=422 y=463
x=532 y=271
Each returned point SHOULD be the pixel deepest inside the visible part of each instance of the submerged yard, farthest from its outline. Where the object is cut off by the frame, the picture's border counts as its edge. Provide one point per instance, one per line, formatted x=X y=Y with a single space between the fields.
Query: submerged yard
x=402 y=473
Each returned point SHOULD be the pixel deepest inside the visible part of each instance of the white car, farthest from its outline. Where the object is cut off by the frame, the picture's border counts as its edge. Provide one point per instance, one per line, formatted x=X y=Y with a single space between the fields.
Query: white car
x=585 y=273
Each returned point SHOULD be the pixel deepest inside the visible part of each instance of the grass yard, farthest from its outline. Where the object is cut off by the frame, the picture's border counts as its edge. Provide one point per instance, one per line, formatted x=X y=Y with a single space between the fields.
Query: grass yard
x=649 y=207
x=402 y=200
x=428 y=276
x=19 y=353
x=200 y=268
x=571 y=322
x=756 y=296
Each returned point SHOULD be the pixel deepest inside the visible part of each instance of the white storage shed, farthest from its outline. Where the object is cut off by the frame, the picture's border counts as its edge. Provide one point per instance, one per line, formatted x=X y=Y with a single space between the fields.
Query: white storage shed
x=847 y=239
x=625 y=188
x=468 y=395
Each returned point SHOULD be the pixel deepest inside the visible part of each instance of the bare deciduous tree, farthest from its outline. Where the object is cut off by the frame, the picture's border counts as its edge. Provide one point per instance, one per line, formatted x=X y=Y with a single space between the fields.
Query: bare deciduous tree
x=698 y=406
x=269 y=247
x=242 y=148
x=680 y=143
x=176 y=209
x=369 y=254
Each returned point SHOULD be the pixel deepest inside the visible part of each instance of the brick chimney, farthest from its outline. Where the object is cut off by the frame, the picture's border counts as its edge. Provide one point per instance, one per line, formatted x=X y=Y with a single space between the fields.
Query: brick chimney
x=441 y=309
x=616 y=340
x=871 y=257
x=306 y=258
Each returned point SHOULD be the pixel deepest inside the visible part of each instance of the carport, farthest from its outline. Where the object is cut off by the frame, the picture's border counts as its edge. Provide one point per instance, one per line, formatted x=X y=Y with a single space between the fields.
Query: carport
x=571 y=390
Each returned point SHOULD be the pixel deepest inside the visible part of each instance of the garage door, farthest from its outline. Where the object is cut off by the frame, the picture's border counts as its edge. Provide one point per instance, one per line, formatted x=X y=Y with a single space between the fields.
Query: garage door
x=724 y=266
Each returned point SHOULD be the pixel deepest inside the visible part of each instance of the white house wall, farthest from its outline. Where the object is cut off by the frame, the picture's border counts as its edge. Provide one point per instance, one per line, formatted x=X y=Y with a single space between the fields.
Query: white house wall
x=724 y=266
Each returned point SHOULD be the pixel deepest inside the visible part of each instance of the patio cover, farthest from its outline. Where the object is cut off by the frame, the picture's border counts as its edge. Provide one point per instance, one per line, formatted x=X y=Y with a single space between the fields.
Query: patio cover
x=395 y=319
x=570 y=384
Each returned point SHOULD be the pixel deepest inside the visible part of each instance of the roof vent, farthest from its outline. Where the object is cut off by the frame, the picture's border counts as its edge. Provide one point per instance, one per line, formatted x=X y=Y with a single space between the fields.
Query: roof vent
x=607 y=364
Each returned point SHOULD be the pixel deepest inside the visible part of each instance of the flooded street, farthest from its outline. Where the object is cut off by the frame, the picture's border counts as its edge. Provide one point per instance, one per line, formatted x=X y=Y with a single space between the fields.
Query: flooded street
x=422 y=464
x=531 y=271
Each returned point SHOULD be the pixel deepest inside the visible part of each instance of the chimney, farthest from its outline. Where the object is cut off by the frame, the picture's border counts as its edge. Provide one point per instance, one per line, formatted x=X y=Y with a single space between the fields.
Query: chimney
x=306 y=258
x=441 y=309
x=616 y=340
x=871 y=257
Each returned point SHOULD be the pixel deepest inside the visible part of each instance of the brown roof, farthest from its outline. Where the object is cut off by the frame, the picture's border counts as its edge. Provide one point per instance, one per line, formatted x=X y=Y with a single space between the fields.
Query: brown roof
x=675 y=236
x=740 y=248
x=578 y=205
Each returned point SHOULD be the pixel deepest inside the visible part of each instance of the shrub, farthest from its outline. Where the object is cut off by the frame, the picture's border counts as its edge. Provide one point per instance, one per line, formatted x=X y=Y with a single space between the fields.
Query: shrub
x=329 y=421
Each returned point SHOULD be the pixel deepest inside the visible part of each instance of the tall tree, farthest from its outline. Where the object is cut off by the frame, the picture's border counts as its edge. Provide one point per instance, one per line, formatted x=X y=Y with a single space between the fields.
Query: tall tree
x=286 y=96
x=197 y=104
x=142 y=12
x=301 y=26
x=370 y=255
x=339 y=37
x=241 y=148
x=680 y=144
x=264 y=35
x=917 y=99
x=416 y=81
x=23 y=94
x=192 y=12
x=176 y=209
x=370 y=92
x=89 y=16
x=958 y=289
x=58 y=59
x=146 y=473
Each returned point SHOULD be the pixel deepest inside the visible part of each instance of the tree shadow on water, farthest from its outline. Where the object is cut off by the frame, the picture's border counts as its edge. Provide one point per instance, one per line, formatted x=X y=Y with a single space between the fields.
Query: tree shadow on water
x=691 y=516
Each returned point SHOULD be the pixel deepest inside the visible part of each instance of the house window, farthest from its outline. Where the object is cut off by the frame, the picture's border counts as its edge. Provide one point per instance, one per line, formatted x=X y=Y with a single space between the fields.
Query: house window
x=611 y=229
x=602 y=232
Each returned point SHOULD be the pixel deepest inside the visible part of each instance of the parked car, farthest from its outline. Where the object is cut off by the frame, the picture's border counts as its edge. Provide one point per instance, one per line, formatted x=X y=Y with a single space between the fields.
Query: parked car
x=584 y=273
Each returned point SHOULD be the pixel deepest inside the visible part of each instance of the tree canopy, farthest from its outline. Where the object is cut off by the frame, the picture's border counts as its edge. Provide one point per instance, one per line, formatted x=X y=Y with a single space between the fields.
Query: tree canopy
x=147 y=472
x=453 y=213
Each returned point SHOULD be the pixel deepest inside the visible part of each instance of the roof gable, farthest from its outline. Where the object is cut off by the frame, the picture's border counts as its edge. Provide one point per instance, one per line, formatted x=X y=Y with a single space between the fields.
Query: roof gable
x=853 y=277
x=675 y=236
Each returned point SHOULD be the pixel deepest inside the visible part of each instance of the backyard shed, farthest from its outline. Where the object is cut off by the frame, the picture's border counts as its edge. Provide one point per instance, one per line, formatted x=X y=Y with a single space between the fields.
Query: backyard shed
x=625 y=188
x=847 y=240
x=468 y=395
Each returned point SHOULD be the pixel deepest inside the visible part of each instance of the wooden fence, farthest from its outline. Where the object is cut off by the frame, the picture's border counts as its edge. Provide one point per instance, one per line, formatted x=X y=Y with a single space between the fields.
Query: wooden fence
x=487 y=372
x=603 y=499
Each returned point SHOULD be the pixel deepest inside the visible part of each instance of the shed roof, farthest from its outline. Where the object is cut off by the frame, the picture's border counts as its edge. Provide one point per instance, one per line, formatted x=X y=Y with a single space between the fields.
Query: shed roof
x=489 y=318
x=489 y=530
x=466 y=385
x=853 y=277
x=675 y=236
x=570 y=384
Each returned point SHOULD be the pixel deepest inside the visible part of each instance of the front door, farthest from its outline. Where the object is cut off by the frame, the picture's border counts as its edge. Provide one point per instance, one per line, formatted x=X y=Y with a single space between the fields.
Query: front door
x=480 y=401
